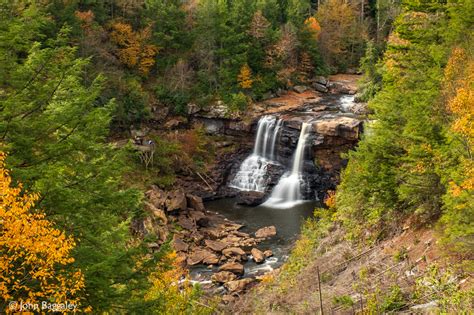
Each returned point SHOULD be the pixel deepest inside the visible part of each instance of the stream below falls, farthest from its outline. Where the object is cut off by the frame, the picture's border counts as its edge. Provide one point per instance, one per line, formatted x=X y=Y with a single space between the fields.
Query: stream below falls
x=288 y=223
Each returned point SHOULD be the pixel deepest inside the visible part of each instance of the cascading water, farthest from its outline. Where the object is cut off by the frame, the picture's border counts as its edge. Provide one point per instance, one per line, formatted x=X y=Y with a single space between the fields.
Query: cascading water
x=287 y=192
x=252 y=175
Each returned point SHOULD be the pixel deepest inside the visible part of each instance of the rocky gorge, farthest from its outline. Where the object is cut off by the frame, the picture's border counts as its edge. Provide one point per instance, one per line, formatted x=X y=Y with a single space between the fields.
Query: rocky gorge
x=208 y=238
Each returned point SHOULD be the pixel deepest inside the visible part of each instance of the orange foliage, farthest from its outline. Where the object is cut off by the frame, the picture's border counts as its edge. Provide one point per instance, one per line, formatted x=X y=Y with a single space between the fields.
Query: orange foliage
x=33 y=254
x=313 y=26
x=86 y=18
x=133 y=48
x=330 y=200
x=245 y=77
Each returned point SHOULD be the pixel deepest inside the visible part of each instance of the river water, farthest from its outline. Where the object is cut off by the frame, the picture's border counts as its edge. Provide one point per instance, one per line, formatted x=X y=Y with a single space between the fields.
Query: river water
x=287 y=222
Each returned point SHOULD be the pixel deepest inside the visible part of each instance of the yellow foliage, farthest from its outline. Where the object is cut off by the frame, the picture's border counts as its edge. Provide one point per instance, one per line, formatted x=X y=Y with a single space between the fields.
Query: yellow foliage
x=313 y=26
x=330 y=200
x=33 y=254
x=133 y=48
x=245 y=77
x=170 y=285
x=459 y=93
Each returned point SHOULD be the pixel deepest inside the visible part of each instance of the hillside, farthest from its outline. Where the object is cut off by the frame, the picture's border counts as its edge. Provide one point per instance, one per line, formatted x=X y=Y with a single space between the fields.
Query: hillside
x=236 y=156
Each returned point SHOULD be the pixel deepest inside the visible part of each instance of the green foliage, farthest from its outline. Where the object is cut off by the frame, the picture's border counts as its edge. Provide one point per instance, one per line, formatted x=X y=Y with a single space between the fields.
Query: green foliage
x=399 y=168
x=55 y=134
x=238 y=102
x=372 y=80
x=343 y=300
x=176 y=100
x=132 y=105
x=443 y=286
x=401 y=255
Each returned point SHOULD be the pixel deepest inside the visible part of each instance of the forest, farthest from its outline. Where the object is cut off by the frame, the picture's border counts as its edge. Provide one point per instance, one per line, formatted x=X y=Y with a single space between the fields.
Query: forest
x=89 y=90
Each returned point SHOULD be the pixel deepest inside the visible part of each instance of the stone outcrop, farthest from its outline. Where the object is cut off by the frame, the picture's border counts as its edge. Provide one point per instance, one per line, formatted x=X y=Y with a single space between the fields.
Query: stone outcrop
x=233 y=267
x=258 y=255
x=223 y=277
x=176 y=200
x=266 y=232
x=250 y=198
x=195 y=202
x=238 y=285
x=198 y=256
x=216 y=246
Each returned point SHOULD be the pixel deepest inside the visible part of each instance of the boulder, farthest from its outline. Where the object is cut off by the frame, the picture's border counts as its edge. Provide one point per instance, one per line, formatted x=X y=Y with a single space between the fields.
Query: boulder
x=179 y=245
x=229 y=227
x=250 y=198
x=233 y=267
x=198 y=256
x=233 y=251
x=300 y=88
x=195 y=202
x=228 y=298
x=258 y=255
x=212 y=259
x=320 y=88
x=268 y=253
x=176 y=200
x=212 y=232
x=155 y=212
x=342 y=126
x=199 y=217
x=175 y=122
x=216 y=246
x=157 y=197
x=223 y=277
x=186 y=223
x=265 y=232
x=238 y=285
x=341 y=88
x=321 y=80
x=192 y=108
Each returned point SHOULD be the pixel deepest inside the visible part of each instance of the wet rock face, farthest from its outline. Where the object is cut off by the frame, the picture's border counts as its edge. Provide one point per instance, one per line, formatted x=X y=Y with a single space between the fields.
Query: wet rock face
x=335 y=130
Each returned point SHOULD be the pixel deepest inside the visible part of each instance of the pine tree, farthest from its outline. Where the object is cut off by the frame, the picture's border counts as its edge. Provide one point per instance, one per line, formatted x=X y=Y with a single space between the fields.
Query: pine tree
x=305 y=67
x=259 y=26
x=55 y=135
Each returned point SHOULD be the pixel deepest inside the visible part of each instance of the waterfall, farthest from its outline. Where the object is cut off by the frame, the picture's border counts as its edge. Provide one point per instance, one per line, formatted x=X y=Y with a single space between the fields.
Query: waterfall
x=252 y=175
x=287 y=192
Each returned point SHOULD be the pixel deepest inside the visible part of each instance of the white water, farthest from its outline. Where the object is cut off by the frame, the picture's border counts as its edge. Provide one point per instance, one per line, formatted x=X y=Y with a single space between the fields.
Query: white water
x=287 y=192
x=252 y=174
x=347 y=103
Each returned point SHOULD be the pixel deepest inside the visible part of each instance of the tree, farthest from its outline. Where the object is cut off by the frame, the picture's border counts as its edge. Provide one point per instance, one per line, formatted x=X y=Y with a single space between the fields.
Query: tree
x=298 y=11
x=458 y=175
x=259 y=26
x=342 y=34
x=305 y=67
x=245 y=77
x=34 y=255
x=55 y=130
x=313 y=26
x=415 y=160
x=133 y=48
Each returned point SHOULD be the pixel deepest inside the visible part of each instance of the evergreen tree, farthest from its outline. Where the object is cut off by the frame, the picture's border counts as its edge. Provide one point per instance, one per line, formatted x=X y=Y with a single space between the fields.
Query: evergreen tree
x=405 y=162
x=55 y=136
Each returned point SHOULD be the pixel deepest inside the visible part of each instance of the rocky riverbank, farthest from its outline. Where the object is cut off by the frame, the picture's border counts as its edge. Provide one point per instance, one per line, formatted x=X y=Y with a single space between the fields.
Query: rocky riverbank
x=201 y=237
